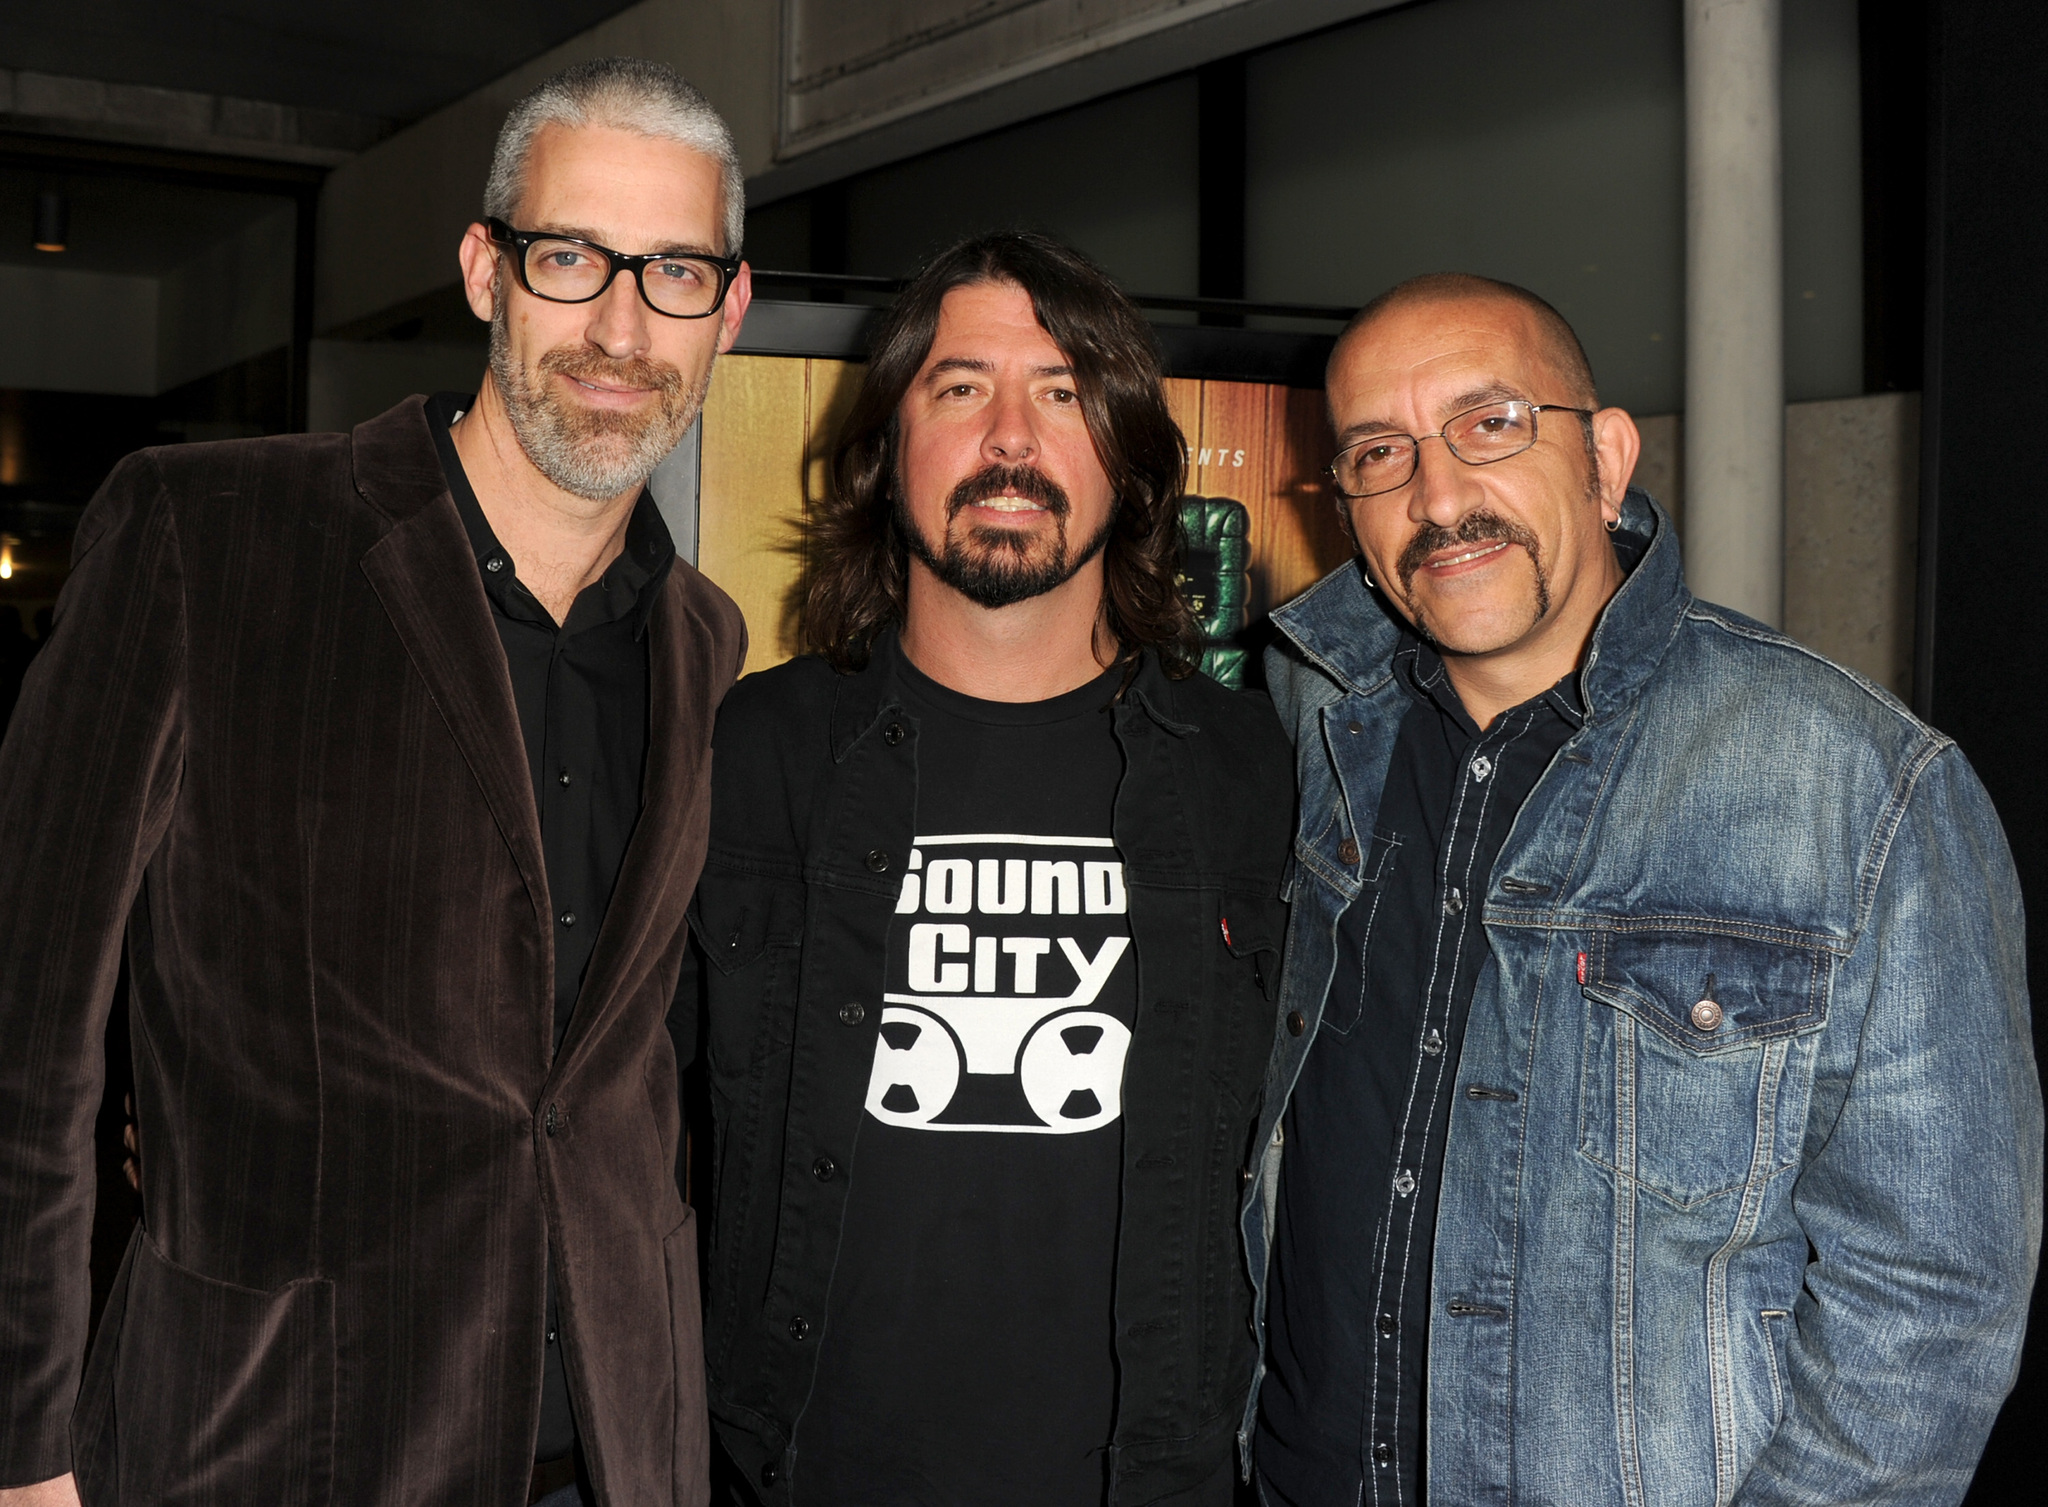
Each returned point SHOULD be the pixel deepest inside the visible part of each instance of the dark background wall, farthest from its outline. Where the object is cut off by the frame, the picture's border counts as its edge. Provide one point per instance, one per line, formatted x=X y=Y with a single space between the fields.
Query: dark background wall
x=1984 y=614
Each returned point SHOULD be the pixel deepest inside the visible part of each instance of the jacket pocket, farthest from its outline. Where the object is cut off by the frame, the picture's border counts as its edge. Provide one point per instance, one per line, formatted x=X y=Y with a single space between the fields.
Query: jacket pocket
x=744 y=924
x=1687 y=1040
x=692 y=1462
x=222 y=1393
x=1355 y=925
x=1254 y=929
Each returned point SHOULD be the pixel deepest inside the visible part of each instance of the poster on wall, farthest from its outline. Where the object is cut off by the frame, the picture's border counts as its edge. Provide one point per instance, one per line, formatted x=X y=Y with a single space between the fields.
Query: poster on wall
x=1259 y=523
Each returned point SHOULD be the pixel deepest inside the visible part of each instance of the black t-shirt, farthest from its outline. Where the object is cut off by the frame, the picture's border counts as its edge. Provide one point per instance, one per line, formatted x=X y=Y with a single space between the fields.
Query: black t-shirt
x=967 y=1354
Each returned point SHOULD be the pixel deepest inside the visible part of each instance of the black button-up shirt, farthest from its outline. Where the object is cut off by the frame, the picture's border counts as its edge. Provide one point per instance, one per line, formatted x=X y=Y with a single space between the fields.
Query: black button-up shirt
x=1341 y=1412
x=581 y=691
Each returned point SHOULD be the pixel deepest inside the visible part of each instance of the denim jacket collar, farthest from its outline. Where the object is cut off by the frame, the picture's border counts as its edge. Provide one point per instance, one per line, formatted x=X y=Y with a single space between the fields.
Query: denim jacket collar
x=1347 y=629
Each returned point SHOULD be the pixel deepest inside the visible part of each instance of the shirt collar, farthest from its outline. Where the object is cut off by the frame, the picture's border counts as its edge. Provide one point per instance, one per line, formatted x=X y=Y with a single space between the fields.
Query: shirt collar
x=1421 y=671
x=630 y=585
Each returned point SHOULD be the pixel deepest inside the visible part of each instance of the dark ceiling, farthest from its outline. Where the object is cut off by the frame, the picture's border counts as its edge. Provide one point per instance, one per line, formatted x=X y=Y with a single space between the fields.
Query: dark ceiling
x=394 y=58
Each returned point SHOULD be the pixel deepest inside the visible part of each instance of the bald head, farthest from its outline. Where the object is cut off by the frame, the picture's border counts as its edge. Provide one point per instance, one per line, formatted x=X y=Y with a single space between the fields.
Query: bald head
x=1557 y=347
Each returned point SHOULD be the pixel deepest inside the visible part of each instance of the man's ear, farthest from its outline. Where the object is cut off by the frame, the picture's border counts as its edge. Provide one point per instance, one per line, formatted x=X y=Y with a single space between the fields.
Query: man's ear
x=734 y=311
x=1619 y=444
x=479 y=259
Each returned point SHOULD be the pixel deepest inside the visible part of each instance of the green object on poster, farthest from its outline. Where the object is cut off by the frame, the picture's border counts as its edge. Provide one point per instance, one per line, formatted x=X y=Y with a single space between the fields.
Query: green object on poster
x=1215 y=577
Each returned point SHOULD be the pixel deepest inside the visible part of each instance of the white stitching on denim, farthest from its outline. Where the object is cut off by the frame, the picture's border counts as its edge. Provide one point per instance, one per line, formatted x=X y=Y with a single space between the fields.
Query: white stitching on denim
x=1624 y=1261
x=1720 y=1340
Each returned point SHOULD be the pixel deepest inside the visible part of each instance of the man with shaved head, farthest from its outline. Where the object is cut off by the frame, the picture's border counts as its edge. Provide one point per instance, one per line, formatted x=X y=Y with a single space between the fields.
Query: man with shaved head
x=1653 y=1117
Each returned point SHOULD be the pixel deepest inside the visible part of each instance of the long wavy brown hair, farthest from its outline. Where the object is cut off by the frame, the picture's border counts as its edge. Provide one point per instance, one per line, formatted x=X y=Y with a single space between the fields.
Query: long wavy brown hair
x=856 y=552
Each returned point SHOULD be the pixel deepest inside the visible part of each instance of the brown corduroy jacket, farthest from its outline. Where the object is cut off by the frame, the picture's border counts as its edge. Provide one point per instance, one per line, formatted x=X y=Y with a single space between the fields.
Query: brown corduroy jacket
x=273 y=742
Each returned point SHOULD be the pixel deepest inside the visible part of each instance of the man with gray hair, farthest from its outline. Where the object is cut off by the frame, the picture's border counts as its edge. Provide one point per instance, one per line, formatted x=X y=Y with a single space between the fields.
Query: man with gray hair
x=386 y=755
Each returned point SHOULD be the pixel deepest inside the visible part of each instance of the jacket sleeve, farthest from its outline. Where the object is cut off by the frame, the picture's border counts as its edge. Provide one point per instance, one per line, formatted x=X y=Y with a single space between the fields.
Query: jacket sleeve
x=88 y=775
x=1922 y=1198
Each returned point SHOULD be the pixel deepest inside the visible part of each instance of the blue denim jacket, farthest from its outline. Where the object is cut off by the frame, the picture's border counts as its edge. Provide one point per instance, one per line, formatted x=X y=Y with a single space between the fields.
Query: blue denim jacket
x=1625 y=1306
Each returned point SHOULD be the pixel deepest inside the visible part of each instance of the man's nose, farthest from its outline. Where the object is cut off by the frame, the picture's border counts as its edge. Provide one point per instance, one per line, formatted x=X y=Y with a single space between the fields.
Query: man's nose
x=619 y=320
x=1444 y=489
x=1011 y=438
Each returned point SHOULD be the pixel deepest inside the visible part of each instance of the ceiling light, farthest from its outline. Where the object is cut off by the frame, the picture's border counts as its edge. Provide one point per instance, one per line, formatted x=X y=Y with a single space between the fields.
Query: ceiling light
x=52 y=221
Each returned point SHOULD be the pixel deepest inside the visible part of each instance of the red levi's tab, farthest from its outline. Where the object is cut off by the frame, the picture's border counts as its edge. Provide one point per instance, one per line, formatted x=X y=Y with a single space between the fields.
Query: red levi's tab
x=1224 y=922
x=1582 y=968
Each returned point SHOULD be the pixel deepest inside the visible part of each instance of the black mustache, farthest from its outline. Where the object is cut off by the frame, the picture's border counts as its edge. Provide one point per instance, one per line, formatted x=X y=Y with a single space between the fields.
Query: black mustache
x=1027 y=482
x=1473 y=528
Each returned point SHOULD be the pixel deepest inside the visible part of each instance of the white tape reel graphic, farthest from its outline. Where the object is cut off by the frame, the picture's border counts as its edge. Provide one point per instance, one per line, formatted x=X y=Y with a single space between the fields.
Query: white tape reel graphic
x=917 y=1068
x=1073 y=1070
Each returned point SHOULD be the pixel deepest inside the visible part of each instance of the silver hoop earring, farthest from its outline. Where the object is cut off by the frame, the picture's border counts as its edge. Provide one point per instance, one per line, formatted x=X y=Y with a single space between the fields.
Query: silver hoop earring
x=1613 y=524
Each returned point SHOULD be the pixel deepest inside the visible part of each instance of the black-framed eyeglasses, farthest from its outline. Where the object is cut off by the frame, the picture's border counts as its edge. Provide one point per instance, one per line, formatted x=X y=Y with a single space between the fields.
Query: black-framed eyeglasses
x=1478 y=437
x=566 y=269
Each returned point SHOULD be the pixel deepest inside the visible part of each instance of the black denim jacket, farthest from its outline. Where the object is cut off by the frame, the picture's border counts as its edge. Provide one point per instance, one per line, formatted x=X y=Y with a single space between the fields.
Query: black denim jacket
x=813 y=809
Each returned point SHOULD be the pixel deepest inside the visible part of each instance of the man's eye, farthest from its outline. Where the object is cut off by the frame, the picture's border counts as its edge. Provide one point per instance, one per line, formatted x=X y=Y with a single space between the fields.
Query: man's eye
x=564 y=258
x=679 y=272
x=1064 y=395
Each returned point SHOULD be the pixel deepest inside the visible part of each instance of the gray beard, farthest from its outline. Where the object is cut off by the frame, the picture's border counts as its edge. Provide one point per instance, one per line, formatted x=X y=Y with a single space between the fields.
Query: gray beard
x=595 y=456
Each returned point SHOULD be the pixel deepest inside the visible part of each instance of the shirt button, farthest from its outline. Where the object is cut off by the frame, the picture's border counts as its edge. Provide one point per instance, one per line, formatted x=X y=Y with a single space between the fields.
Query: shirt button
x=1433 y=1043
x=1453 y=903
x=1347 y=851
x=1296 y=1023
x=878 y=861
x=893 y=734
x=568 y=918
x=553 y=1120
x=1404 y=1182
x=852 y=1013
x=769 y=1474
x=1383 y=1454
x=1387 y=1325
x=564 y=777
x=823 y=1168
x=495 y=564
x=1481 y=768
x=1707 y=1015
x=1354 y=727
x=799 y=1328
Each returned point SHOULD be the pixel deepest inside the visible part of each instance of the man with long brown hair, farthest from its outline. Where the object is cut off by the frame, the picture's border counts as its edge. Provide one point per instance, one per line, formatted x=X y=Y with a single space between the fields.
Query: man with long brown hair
x=989 y=937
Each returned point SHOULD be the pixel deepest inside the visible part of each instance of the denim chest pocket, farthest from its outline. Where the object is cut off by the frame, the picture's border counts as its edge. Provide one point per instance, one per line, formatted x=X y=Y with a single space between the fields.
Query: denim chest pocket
x=1355 y=927
x=1694 y=1046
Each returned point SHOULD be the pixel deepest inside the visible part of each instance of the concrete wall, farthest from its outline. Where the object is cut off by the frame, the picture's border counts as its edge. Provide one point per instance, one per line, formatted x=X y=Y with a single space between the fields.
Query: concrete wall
x=1116 y=178
x=69 y=331
x=391 y=218
x=1852 y=489
x=1545 y=145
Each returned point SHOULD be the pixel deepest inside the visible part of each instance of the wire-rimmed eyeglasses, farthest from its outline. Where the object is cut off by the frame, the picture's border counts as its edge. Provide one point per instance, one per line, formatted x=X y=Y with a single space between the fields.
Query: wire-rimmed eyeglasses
x=567 y=269
x=1478 y=437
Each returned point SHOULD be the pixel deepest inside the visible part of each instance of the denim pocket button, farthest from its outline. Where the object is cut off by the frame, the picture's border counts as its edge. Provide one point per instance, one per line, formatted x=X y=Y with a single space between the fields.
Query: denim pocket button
x=1706 y=1015
x=1347 y=851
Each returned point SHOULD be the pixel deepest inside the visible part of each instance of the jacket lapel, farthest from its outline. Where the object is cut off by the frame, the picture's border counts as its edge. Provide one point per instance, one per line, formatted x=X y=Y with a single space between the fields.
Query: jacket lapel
x=661 y=861
x=424 y=572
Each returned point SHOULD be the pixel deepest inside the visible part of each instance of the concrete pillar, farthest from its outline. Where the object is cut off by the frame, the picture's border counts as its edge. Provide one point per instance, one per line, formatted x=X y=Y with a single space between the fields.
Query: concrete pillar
x=1734 y=314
